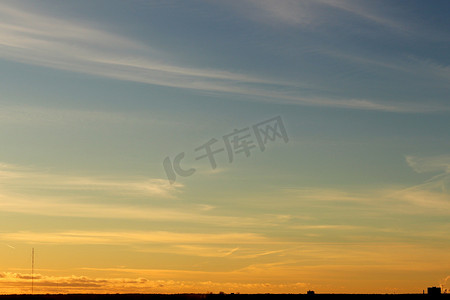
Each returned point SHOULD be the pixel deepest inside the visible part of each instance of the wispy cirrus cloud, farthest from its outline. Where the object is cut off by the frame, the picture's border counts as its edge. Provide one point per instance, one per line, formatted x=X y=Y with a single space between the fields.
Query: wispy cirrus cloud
x=371 y=13
x=30 y=37
x=74 y=207
x=132 y=237
x=321 y=17
x=15 y=179
x=433 y=194
x=315 y=12
x=430 y=197
x=325 y=194
x=439 y=163
x=237 y=245
x=27 y=190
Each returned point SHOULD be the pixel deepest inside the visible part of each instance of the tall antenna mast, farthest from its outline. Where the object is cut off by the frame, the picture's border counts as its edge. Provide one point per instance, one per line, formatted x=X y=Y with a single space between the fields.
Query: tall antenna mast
x=32 y=271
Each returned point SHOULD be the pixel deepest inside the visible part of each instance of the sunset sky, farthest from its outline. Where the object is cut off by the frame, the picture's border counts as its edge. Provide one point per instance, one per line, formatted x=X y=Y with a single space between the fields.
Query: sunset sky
x=346 y=188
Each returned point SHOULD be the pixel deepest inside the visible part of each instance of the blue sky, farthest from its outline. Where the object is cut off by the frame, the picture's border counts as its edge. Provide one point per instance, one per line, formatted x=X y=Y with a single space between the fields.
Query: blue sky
x=96 y=94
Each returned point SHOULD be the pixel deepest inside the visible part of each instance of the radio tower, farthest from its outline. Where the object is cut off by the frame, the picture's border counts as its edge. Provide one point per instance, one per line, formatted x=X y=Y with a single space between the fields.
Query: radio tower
x=32 y=271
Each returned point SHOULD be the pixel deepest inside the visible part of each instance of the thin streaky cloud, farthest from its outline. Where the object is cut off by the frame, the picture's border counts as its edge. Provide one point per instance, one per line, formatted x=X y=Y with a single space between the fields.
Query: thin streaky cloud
x=325 y=194
x=389 y=18
x=440 y=163
x=67 y=207
x=19 y=186
x=196 y=250
x=425 y=197
x=358 y=8
x=16 y=178
x=26 y=38
x=23 y=26
x=73 y=207
x=133 y=237
x=28 y=190
x=52 y=41
x=434 y=193
x=421 y=67
x=226 y=250
x=284 y=11
x=310 y=13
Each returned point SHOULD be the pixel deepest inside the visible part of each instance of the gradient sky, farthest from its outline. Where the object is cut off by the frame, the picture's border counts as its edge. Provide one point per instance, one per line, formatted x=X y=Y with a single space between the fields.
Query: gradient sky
x=94 y=95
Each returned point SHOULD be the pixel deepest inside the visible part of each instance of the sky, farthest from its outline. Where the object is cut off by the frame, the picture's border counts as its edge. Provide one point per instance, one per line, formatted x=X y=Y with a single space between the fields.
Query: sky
x=245 y=146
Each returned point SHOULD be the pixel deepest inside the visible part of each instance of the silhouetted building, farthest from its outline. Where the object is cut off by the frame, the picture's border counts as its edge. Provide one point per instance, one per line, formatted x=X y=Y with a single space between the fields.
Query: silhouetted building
x=434 y=290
